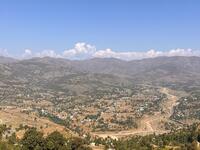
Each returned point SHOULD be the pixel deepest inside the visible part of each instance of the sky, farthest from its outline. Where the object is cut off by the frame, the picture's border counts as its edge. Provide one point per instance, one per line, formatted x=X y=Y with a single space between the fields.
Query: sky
x=81 y=29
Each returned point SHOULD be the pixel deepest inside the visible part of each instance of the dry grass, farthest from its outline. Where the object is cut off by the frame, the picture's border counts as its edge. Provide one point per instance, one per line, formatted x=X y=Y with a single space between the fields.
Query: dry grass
x=14 y=117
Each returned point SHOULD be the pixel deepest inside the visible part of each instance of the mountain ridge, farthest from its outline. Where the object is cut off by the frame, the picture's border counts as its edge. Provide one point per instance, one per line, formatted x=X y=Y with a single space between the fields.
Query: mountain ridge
x=159 y=71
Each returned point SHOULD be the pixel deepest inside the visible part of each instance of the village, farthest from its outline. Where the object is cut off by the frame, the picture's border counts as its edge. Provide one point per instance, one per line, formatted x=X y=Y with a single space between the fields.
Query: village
x=83 y=114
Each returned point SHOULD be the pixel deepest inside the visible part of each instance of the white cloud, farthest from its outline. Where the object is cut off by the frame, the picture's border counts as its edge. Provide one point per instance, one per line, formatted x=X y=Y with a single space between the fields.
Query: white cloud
x=127 y=55
x=27 y=53
x=48 y=53
x=45 y=53
x=183 y=52
x=4 y=52
x=83 y=50
x=80 y=51
x=148 y=54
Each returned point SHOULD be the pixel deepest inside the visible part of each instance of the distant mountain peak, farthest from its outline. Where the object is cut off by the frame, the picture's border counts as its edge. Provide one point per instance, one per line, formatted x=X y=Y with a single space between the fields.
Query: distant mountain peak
x=7 y=60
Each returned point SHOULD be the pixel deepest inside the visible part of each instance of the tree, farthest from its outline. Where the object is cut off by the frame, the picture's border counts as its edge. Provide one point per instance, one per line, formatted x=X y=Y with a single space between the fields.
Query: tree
x=55 y=141
x=79 y=144
x=3 y=128
x=12 y=139
x=32 y=140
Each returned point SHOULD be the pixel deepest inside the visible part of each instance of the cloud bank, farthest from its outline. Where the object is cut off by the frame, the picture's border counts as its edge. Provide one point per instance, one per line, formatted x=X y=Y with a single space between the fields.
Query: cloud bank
x=83 y=50
x=148 y=54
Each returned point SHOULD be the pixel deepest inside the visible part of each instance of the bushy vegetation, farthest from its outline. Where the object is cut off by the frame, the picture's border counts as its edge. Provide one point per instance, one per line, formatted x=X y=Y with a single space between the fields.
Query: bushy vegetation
x=35 y=140
x=183 y=139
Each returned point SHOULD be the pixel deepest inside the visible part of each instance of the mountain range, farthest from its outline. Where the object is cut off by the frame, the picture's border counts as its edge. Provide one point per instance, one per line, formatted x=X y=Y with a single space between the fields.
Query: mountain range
x=83 y=75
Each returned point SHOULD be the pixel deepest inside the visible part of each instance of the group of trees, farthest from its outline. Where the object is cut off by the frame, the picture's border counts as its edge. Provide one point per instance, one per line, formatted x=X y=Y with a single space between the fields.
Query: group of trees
x=34 y=140
x=183 y=139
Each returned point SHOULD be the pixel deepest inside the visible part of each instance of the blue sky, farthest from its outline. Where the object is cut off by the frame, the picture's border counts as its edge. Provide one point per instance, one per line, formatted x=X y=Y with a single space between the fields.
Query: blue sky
x=121 y=25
